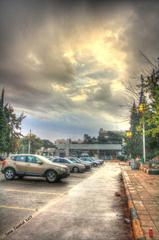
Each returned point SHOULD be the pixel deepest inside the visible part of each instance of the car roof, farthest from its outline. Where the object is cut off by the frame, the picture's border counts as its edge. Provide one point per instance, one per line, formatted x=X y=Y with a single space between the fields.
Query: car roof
x=25 y=154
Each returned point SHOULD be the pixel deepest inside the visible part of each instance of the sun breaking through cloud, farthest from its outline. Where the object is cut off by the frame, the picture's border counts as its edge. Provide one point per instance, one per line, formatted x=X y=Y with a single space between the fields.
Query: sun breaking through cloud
x=66 y=64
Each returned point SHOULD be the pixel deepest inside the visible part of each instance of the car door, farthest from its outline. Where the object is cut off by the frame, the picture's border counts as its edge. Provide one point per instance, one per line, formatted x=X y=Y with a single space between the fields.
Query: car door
x=34 y=166
x=62 y=161
x=19 y=163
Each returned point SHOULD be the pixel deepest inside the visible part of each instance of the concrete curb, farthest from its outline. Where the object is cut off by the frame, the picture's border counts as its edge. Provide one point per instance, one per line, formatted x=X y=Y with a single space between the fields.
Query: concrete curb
x=135 y=222
x=150 y=171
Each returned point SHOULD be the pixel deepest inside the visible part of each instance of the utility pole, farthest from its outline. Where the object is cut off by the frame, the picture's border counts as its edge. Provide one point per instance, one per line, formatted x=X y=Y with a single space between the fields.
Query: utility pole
x=141 y=110
x=144 y=143
x=29 y=142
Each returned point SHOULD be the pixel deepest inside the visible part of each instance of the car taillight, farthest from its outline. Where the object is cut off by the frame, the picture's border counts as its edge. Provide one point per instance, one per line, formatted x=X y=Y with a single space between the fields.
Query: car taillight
x=4 y=163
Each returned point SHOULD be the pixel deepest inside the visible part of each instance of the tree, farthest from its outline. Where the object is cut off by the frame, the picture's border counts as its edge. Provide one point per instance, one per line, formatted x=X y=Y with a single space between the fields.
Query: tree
x=149 y=98
x=152 y=90
x=35 y=142
x=133 y=145
x=3 y=125
x=47 y=144
x=10 y=127
x=110 y=137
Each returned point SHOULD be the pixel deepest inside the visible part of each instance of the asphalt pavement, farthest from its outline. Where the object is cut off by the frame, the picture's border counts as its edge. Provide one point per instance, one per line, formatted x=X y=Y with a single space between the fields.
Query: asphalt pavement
x=85 y=207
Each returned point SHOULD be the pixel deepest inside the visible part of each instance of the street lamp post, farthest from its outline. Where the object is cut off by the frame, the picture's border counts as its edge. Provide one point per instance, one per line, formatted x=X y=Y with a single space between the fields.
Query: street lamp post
x=141 y=110
x=143 y=136
x=129 y=135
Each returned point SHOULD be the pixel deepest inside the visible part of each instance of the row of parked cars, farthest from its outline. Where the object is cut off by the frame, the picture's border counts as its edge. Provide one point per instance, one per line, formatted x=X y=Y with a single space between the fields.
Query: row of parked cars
x=52 y=168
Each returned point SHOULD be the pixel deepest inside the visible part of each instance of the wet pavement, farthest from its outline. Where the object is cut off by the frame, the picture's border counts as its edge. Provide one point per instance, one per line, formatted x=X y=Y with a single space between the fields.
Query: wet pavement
x=21 y=198
x=86 y=211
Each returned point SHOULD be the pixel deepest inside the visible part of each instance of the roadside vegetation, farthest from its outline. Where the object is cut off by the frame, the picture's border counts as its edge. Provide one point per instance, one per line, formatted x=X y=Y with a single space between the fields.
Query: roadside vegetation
x=11 y=139
x=145 y=107
x=10 y=127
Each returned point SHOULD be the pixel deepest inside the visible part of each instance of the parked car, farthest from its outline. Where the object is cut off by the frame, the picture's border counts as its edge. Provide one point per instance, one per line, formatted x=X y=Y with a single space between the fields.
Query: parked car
x=84 y=155
x=33 y=165
x=2 y=158
x=95 y=163
x=77 y=160
x=87 y=160
x=98 y=160
x=74 y=167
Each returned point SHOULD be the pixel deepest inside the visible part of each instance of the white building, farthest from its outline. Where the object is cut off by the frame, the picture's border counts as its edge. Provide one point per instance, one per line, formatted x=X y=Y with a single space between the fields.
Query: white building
x=105 y=151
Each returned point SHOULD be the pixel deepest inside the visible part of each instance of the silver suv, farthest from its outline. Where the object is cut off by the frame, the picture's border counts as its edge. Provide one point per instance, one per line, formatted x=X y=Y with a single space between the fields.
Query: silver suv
x=33 y=165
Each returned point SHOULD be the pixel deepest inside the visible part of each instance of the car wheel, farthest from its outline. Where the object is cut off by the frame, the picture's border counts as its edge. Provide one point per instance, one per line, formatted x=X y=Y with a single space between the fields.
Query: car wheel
x=95 y=165
x=51 y=176
x=76 y=170
x=9 y=174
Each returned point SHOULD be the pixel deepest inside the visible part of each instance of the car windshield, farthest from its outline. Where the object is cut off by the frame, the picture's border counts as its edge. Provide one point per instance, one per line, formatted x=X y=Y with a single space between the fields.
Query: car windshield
x=72 y=160
x=61 y=160
x=91 y=159
x=68 y=160
x=87 y=160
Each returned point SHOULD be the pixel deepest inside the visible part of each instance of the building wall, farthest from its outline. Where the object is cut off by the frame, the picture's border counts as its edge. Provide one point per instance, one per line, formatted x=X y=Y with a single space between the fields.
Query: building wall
x=105 y=151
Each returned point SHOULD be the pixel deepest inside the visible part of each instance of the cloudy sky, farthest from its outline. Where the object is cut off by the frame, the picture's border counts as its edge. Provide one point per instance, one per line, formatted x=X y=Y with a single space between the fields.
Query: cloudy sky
x=65 y=64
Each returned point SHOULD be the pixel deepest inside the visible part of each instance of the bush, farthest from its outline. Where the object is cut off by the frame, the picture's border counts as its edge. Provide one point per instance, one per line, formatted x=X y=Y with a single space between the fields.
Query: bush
x=121 y=157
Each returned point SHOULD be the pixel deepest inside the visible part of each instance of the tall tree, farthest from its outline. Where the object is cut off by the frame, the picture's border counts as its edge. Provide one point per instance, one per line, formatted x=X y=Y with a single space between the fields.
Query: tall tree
x=10 y=127
x=133 y=145
x=152 y=90
x=3 y=125
x=35 y=143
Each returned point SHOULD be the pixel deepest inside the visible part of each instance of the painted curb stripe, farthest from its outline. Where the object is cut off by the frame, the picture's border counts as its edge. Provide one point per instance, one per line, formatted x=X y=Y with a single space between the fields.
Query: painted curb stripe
x=18 y=208
x=136 y=226
x=130 y=204
x=138 y=233
x=133 y=213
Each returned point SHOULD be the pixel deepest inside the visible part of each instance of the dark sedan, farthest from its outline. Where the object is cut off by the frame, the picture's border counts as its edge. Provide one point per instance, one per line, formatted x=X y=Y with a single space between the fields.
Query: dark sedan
x=77 y=160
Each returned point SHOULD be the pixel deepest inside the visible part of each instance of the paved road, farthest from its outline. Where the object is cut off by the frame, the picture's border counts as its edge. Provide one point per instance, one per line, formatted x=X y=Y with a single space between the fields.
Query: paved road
x=84 y=211
x=21 y=198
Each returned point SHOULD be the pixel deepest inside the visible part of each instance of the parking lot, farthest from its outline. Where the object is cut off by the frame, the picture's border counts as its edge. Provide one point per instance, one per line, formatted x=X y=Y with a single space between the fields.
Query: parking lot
x=21 y=198
x=83 y=206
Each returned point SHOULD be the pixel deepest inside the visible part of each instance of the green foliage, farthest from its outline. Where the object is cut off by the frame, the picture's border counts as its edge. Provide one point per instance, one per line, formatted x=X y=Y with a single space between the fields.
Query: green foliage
x=35 y=143
x=133 y=145
x=111 y=137
x=3 y=131
x=152 y=90
x=47 y=143
x=10 y=126
x=121 y=158
x=149 y=96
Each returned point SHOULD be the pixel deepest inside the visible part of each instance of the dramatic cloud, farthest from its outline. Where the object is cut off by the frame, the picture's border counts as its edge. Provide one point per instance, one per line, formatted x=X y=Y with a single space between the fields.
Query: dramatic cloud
x=66 y=63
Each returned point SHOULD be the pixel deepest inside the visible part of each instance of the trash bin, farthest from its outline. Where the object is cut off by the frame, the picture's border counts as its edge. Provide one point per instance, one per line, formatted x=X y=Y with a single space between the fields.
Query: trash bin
x=133 y=164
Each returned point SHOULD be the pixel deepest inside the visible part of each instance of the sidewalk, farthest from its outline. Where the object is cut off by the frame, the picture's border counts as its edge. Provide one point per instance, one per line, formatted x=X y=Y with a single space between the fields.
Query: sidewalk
x=90 y=211
x=143 y=190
